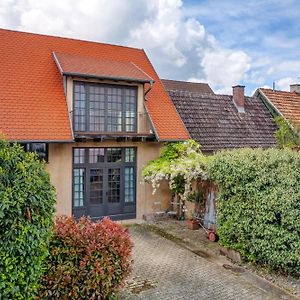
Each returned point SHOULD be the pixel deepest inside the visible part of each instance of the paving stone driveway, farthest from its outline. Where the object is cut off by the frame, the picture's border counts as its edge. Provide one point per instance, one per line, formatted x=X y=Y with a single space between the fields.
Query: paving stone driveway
x=165 y=270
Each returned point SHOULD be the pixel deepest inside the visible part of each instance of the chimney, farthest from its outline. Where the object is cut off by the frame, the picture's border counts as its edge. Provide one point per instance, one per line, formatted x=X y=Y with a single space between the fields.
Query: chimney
x=295 y=88
x=238 y=92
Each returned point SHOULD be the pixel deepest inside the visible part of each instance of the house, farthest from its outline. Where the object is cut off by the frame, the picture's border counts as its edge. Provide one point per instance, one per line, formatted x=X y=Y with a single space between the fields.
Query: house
x=282 y=103
x=96 y=112
x=221 y=121
x=193 y=87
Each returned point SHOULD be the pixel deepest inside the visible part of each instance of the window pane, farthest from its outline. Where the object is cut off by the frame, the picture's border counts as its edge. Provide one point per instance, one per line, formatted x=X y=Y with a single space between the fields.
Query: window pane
x=96 y=108
x=79 y=107
x=129 y=154
x=129 y=184
x=96 y=186
x=114 y=109
x=78 y=192
x=78 y=156
x=114 y=154
x=113 y=193
x=130 y=110
x=96 y=155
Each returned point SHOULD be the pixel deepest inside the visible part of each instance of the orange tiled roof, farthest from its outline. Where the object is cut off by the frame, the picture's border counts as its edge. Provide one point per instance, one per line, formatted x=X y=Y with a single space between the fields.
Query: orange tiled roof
x=93 y=67
x=287 y=103
x=32 y=101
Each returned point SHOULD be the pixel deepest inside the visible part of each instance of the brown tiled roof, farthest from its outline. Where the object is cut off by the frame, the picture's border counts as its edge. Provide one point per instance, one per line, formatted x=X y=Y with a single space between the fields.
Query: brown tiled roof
x=215 y=123
x=32 y=101
x=287 y=103
x=92 y=67
x=196 y=87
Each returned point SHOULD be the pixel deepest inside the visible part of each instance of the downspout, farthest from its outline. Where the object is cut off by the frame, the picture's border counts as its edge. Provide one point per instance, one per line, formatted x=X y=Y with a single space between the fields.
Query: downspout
x=147 y=112
x=149 y=89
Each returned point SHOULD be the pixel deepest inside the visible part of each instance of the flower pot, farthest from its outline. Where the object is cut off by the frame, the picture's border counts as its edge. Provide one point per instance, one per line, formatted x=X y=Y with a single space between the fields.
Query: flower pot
x=192 y=224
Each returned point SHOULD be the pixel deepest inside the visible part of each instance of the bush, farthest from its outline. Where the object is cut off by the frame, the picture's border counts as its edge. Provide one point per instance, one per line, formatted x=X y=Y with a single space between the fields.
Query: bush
x=26 y=218
x=87 y=260
x=259 y=205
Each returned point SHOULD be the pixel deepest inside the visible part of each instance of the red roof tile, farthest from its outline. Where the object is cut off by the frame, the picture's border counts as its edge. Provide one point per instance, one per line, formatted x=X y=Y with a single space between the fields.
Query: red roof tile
x=287 y=103
x=93 y=67
x=32 y=101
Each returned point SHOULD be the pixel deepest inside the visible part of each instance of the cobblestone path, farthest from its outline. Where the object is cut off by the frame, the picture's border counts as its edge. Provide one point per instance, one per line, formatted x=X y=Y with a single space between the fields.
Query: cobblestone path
x=165 y=270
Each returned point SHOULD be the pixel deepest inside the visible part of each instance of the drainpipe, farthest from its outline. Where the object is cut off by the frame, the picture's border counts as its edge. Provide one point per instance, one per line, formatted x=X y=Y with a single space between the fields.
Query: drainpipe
x=149 y=89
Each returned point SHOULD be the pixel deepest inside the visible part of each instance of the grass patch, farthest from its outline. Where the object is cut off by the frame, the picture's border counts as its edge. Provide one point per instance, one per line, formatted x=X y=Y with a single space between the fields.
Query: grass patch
x=160 y=232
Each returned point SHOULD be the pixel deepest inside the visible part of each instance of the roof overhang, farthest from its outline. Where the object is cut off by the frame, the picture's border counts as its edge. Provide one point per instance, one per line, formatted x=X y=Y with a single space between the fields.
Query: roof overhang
x=91 y=68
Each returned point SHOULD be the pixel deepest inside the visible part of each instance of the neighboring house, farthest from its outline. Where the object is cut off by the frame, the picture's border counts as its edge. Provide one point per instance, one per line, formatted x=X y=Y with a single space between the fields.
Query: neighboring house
x=281 y=103
x=97 y=112
x=193 y=87
x=221 y=121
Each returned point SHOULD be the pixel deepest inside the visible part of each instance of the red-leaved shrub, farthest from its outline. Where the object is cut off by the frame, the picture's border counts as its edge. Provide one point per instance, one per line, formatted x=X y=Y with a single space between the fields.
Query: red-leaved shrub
x=88 y=260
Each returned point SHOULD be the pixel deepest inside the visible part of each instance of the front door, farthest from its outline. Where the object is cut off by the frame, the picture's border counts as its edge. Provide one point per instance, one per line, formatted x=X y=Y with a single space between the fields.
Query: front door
x=104 y=182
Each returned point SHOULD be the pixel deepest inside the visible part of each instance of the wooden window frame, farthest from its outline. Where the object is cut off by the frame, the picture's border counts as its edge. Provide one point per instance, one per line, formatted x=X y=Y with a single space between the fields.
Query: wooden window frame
x=123 y=111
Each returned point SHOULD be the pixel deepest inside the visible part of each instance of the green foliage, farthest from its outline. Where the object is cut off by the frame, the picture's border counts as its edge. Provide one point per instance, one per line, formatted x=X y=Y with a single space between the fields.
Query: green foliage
x=180 y=163
x=287 y=134
x=196 y=197
x=27 y=202
x=259 y=205
x=87 y=260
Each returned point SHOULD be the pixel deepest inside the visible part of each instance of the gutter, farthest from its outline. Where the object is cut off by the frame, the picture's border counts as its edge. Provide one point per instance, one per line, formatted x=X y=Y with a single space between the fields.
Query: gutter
x=41 y=141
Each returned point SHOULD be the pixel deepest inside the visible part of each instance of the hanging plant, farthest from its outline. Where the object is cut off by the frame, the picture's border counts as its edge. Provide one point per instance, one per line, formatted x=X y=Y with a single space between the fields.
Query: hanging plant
x=180 y=163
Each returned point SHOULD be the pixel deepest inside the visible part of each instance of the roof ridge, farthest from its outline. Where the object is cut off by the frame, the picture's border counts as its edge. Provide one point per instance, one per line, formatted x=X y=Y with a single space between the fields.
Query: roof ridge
x=68 y=38
x=184 y=81
x=280 y=91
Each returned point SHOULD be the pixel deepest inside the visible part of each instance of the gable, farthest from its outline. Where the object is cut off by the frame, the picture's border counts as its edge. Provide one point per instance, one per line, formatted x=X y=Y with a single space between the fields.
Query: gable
x=286 y=104
x=32 y=101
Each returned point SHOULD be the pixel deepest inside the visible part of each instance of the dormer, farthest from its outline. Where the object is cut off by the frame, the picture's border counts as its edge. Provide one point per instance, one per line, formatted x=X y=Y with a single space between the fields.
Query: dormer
x=105 y=98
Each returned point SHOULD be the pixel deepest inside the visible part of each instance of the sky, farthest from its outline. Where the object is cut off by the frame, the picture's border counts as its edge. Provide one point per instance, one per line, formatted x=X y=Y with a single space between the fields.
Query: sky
x=223 y=43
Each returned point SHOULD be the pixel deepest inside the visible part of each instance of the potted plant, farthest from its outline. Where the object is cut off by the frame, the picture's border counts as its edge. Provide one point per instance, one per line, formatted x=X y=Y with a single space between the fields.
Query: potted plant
x=191 y=222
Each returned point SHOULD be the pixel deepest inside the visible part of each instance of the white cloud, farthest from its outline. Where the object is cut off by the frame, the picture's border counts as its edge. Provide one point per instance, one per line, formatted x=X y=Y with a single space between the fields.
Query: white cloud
x=224 y=68
x=284 y=83
x=178 y=46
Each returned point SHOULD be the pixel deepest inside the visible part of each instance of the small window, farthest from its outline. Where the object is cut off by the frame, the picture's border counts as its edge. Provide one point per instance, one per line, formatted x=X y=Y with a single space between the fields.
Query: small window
x=129 y=154
x=79 y=156
x=129 y=184
x=40 y=148
x=96 y=155
x=114 y=154
x=78 y=192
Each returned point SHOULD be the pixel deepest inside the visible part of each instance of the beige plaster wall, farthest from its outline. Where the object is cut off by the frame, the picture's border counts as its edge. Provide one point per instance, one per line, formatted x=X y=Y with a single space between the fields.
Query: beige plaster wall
x=60 y=169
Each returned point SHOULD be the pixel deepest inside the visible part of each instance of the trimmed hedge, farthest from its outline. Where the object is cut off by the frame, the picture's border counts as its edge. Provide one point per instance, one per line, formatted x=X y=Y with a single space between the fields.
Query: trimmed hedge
x=259 y=205
x=87 y=260
x=27 y=201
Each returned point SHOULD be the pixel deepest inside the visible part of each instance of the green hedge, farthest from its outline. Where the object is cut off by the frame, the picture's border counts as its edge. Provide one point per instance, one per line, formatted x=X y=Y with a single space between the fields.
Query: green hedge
x=88 y=260
x=259 y=205
x=26 y=218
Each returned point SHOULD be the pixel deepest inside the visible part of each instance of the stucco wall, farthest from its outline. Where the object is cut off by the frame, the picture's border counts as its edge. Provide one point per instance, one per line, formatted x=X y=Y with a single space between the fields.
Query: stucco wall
x=60 y=169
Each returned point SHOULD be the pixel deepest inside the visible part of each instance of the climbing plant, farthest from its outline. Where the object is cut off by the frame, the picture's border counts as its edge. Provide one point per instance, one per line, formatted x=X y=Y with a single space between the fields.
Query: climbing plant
x=287 y=134
x=180 y=163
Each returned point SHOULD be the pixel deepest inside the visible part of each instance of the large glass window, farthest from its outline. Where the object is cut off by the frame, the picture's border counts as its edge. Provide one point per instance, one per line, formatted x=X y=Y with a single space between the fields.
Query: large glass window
x=104 y=108
x=104 y=176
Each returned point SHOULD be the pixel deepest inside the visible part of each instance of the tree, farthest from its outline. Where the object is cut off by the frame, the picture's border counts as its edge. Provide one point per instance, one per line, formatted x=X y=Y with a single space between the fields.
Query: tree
x=27 y=201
